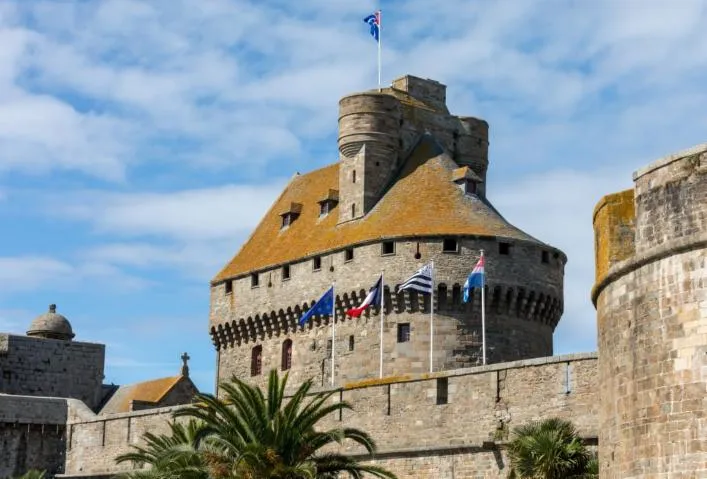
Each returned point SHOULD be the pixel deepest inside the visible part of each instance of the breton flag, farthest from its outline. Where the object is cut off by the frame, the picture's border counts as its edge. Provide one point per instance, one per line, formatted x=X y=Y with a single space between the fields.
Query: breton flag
x=374 y=20
x=374 y=298
x=325 y=306
x=420 y=281
x=475 y=279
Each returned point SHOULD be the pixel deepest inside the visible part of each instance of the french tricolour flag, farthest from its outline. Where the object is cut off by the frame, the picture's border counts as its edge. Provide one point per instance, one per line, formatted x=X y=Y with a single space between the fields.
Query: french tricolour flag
x=475 y=279
x=373 y=299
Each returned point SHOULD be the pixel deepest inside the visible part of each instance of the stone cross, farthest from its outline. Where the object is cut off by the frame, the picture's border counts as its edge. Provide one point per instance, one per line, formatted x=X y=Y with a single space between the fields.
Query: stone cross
x=185 y=368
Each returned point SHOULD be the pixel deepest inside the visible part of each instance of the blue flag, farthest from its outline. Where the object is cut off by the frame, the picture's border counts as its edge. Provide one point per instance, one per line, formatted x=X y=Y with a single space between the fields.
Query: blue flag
x=374 y=20
x=324 y=306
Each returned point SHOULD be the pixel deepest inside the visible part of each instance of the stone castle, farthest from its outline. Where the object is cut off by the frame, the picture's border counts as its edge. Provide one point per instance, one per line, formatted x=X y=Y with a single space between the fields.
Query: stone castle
x=409 y=188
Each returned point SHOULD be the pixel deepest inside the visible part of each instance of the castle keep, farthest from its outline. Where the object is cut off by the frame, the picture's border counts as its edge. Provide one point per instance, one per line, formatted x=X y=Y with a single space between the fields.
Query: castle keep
x=408 y=189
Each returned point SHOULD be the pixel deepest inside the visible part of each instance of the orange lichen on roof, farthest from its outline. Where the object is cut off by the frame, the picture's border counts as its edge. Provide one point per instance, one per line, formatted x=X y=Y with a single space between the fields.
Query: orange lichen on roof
x=148 y=391
x=445 y=210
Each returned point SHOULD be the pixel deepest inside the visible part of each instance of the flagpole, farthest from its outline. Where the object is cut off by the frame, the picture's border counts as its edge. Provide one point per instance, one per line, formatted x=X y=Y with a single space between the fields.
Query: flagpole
x=380 y=41
x=382 y=293
x=483 y=312
x=333 y=329
x=432 y=316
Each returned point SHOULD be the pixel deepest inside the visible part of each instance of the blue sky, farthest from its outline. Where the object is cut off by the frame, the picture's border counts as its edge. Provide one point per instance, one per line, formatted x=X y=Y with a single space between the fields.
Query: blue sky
x=140 y=142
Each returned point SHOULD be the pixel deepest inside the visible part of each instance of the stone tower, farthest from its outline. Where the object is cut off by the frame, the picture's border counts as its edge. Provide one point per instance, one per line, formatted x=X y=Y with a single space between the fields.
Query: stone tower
x=650 y=296
x=409 y=188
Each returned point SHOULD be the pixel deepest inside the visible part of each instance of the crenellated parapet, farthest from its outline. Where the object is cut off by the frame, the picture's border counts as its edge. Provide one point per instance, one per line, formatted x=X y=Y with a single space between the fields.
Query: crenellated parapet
x=525 y=304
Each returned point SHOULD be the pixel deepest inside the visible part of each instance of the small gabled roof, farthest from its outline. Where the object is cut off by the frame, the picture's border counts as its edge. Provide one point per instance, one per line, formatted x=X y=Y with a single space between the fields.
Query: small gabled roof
x=465 y=173
x=421 y=201
x=149 y=391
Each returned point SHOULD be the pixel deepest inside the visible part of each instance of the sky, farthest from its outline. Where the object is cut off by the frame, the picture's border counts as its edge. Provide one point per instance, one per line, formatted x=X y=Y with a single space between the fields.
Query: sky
x=141 y=142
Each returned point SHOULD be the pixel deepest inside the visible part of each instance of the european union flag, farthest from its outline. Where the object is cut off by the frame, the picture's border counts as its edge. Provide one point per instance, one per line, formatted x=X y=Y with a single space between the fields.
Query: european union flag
x=324 y=306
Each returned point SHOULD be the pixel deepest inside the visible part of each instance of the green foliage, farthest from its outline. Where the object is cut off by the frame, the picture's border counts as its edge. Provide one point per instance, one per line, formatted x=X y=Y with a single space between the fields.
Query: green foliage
x=254 y=435
x=33 y=474
x=549 y=449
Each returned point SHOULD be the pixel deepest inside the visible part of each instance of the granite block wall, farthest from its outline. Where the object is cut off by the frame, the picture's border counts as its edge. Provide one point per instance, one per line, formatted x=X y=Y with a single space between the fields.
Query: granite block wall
x=403 y=415
x=524 y=304
x=51 y=367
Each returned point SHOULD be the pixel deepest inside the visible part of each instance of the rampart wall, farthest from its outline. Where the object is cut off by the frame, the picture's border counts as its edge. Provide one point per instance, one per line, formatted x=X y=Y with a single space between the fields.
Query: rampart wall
x=51 y=367
x=524 y=304
x=652 y=321
x=31 y=434
x=414 y=429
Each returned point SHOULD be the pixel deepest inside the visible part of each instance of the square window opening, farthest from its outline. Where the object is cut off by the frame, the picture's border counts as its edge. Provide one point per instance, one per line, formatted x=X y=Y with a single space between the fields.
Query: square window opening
x=450 y=245
x=254 y=280
x=403 y=332
x=545 y=257
x=504 y=248
x=388 y=248
x=286 y=272
x=348 y=254
x=317 y=263
x=442 y=390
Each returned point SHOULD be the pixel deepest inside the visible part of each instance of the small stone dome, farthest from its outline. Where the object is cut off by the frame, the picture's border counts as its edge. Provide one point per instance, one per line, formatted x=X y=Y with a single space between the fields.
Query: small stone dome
x=51 y=325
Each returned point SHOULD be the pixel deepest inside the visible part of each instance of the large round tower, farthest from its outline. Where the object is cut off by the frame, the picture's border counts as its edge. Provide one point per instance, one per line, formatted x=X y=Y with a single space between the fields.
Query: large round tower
x=651 y=253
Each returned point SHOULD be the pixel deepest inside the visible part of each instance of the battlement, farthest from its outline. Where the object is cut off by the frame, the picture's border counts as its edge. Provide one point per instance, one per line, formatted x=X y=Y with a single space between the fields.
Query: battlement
x=423 y=89
x=467 y=407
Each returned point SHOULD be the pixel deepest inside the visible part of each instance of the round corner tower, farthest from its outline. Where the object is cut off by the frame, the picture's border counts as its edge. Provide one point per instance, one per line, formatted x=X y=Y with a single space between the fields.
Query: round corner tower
x=650 y=293
x=408 y=190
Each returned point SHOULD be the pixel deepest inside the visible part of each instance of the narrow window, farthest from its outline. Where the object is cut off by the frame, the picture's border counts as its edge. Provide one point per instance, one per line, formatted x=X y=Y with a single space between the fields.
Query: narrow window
x=254 y=280
x=442 y=390
x=317 y=263
x=504 y=248
x=328 y=347
x=470 y=187
x=387 y=247
x=353 y=210
x=450 y=245
x=351 y=342
x=256 y=360
x=403 y=332
x=286 y=272
x=353 y=177
x=286 y=355
x=323 y=208
x=456 y=294
x=545 y=257
x=442 y=295
x=286 y=220
x=348 y=254
x=228 y=286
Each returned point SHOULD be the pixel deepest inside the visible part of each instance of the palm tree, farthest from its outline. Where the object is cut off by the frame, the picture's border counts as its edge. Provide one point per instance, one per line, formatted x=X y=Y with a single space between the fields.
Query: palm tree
x=33 y=474
x=549 y=449
x=168 y=455
x=249 y=435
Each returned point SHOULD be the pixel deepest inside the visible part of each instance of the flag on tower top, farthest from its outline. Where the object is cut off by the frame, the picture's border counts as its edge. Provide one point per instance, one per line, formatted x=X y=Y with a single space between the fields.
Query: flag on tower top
x=374 y=298
x=374 y=20
x=475 y=279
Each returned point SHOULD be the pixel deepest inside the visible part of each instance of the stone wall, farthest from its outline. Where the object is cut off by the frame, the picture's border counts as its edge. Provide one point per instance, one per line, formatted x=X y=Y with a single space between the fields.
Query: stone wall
x=652 y=320
x=51 y=367
x=403 y=415
x=31 y=434
x=523 y=306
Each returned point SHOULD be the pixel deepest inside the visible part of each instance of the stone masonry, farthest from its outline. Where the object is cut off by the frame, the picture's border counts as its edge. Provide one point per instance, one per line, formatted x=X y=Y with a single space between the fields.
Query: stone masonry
x=652 y=317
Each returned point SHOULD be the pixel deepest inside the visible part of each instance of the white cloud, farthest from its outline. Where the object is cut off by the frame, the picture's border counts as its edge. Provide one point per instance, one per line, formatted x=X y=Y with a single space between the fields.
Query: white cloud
x=217 y=213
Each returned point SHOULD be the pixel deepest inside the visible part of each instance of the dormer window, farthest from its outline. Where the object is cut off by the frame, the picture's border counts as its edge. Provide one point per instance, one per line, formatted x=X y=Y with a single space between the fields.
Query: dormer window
x=290 y=214
x=328 y=202
x=466 y=179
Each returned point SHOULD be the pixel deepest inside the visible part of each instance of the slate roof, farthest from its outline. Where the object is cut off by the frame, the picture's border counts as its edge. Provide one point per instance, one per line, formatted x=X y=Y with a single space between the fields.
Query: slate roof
x=149 y=391
x=423 y=200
